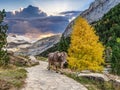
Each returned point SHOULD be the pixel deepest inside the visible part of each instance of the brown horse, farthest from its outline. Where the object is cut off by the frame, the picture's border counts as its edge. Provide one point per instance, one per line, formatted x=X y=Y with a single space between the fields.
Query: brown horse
x=57 y=59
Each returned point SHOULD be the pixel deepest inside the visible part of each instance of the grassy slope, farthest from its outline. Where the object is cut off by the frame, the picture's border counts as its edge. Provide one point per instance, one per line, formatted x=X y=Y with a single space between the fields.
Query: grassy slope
x=13 y=75
x=12 y=78
x=92 y=84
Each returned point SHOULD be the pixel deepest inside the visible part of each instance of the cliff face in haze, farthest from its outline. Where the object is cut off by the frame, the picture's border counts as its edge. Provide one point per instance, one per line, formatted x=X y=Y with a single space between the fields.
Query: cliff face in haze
x=40 y=46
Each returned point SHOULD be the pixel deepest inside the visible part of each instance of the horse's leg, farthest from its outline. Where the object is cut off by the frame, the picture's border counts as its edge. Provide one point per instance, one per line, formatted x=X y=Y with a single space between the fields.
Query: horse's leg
x=49 y=64
x=56 y=69
x=61 y=67
x=56 y=65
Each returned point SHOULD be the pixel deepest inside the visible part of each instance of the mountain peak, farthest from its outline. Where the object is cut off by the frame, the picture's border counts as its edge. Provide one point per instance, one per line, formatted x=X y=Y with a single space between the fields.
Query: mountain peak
x=31 y=6
x=98 y=8
x=28 y=12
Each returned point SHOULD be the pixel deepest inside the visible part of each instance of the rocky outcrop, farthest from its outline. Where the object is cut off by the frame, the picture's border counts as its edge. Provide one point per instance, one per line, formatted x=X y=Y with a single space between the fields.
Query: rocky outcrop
x=96 y=10
x=115 y=80
x=98 y=76
x=22 y=60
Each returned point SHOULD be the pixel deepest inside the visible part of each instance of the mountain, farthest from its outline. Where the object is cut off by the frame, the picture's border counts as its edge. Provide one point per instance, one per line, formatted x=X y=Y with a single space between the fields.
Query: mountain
x=70 y=14
x=16 y=42
x=34 y=23
x=95 y=12
x=29 y=12
x=108 y=29
x=98 y=8
x=97 y=5
x=39 y=46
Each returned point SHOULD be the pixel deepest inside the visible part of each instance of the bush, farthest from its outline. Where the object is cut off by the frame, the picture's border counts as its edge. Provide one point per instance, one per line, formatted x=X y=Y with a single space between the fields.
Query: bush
x=4 y=59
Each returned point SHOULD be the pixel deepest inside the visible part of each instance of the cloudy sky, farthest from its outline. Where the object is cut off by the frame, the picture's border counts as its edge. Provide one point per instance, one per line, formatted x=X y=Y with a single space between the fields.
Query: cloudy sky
x=51 y=25
x=49 y=6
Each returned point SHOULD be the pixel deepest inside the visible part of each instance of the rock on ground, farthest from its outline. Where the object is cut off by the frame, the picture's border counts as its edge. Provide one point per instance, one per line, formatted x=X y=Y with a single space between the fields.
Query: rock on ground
x=39 y=78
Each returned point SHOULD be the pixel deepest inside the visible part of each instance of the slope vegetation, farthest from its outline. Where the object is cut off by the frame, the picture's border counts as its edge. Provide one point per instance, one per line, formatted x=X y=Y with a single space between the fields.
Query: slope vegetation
x=108 y=28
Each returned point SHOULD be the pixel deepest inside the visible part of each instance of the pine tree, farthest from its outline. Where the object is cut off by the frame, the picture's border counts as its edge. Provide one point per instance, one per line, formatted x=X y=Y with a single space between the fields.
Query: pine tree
x=3 y=41
x=85 y=52
x=63 y=45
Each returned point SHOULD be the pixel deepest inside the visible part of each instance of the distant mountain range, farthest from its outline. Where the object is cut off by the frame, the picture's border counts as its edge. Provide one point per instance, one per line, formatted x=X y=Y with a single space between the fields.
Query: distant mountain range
x=22 y=45
x=32 y=20
x=41 y=45
x=16 y=42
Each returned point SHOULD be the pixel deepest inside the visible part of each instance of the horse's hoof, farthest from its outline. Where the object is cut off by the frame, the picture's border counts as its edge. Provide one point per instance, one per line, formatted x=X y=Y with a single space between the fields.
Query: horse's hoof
x=61 y=73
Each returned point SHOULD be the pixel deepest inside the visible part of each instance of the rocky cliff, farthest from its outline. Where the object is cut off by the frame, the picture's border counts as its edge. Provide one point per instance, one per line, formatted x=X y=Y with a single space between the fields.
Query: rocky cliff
x=96 y=10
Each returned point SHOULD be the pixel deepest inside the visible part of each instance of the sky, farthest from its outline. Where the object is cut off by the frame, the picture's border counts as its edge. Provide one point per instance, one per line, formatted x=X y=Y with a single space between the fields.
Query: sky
x=51 y=7
x=48 y=6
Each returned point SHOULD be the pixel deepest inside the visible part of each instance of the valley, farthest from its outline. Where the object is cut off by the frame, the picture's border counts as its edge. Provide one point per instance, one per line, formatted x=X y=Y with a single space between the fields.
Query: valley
x=87 y=39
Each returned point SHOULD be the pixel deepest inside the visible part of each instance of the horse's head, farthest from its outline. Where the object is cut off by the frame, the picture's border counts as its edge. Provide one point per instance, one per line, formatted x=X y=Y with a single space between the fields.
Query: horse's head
x=63 y=57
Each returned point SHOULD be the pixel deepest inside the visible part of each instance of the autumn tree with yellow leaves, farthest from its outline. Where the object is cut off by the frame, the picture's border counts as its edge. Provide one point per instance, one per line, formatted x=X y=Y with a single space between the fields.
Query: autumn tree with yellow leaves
x=85 y=52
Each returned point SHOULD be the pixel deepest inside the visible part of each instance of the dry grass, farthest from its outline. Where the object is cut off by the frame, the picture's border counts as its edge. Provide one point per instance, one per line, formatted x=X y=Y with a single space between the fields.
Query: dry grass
x=10 y=78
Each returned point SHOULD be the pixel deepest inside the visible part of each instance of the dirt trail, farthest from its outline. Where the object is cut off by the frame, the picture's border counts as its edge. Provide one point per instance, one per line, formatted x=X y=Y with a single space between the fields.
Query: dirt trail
x=39 y=78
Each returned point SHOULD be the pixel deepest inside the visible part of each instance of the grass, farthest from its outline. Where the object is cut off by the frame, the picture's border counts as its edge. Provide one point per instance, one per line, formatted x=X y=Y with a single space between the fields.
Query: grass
x=91 y=84
x=13 y=77
x=41 y=58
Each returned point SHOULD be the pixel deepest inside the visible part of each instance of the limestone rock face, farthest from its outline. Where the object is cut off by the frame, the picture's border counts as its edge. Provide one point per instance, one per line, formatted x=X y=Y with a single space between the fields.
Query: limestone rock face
x=98 y=8
x=95 y=12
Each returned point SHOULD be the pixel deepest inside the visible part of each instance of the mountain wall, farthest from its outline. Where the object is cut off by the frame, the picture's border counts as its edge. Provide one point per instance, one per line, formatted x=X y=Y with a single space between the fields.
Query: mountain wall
x=95 y=12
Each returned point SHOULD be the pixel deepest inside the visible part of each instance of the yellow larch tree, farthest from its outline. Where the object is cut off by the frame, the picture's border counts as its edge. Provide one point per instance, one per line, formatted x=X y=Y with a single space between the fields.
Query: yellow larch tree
x=85 y=51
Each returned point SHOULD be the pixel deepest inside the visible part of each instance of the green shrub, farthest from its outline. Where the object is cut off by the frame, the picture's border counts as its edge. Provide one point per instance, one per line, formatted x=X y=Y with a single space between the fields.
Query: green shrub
x=4 y=59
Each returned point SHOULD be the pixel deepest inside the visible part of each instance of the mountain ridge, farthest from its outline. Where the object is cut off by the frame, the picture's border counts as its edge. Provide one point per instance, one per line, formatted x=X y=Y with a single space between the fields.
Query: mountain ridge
x=40 y=45
x=95 y=12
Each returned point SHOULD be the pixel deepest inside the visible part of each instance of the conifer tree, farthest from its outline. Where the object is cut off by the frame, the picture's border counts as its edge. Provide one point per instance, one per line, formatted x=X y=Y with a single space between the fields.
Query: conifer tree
x=64 y=43
x=3 y=40
x=85 y=52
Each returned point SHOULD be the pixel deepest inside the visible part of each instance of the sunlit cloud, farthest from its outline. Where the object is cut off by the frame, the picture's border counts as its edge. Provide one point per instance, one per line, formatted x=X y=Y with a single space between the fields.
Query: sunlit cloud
x=52 y=7
x=37 y=36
